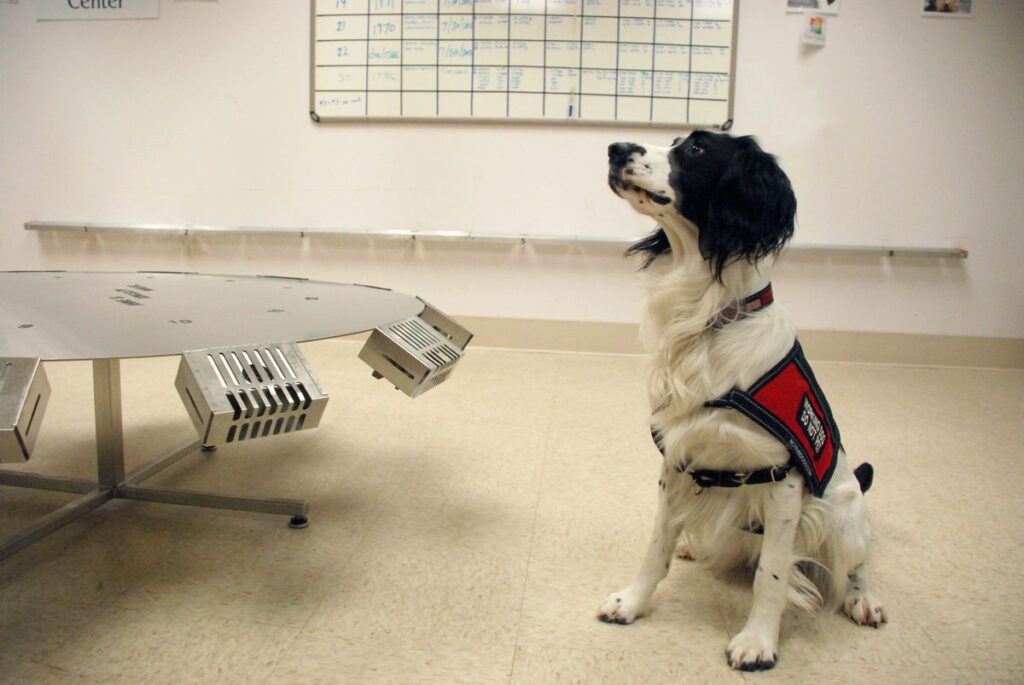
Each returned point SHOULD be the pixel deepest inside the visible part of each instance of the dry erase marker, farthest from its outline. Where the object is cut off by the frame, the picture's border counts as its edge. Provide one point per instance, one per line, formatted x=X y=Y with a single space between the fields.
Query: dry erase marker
x=572 y=103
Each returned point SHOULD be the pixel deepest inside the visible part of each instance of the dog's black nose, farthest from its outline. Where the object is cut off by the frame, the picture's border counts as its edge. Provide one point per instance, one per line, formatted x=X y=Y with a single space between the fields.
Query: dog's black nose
x=618 y=153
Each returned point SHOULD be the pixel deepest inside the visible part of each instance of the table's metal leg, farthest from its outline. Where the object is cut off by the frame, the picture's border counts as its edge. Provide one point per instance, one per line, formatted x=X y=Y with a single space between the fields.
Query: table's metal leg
x=20 y=479
x=106 y=375
x=113 y=483
x=205 y=499
x=106 y=382
x=153 y=468
x=110 y=458
x=130 y=489
x=39 y=529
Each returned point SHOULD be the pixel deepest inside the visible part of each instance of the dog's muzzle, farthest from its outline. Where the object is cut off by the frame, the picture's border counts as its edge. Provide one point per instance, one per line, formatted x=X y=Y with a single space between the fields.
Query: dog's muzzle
x=619 y=157
x=619 y=153
x=622 y=164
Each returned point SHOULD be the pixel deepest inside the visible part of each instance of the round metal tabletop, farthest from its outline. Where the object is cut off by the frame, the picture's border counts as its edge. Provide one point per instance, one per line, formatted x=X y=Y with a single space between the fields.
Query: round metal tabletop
x=57 y=315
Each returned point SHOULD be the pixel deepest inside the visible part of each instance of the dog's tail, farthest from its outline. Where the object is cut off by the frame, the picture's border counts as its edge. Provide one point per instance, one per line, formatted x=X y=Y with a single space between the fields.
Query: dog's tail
x=865 y=475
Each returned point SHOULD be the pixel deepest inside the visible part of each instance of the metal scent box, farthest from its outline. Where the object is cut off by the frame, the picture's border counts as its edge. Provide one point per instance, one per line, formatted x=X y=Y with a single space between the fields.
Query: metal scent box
x=418 y=353
x=243 y=393
x=24 y=394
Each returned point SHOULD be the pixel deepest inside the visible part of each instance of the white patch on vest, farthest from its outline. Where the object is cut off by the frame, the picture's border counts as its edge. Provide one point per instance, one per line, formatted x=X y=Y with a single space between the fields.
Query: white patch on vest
x=813 y=427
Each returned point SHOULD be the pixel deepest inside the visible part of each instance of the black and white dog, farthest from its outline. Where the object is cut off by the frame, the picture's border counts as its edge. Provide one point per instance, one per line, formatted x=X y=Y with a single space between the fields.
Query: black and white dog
x=754 y=473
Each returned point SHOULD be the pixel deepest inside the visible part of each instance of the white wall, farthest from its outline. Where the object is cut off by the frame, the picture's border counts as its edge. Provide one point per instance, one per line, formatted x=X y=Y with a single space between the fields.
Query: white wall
x=902 y=131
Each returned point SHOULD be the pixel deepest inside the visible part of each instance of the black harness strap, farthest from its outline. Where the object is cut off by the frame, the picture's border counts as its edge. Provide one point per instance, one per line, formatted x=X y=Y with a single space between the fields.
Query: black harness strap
x=734 y=479
x=788 y=403
x=706 y=478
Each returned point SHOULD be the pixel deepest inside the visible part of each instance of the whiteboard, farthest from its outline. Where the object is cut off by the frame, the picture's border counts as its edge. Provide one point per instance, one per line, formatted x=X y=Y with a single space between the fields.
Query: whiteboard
x=645 y=62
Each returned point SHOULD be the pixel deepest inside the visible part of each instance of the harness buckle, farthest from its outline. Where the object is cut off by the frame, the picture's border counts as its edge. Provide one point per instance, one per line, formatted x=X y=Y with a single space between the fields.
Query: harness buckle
x=703 y=480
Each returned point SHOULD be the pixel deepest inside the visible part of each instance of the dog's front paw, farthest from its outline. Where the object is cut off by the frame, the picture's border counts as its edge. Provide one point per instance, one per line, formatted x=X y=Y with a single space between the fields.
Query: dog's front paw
x=623 y=607
x=864 y=609
x=751 y=651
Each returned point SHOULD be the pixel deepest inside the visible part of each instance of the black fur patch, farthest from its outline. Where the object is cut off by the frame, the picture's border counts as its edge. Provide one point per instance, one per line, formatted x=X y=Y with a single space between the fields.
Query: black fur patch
x=865 y=475
x=737 y=195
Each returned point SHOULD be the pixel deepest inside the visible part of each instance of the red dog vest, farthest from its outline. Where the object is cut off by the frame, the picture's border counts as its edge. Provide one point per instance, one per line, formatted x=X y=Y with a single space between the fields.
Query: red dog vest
x=789 y=404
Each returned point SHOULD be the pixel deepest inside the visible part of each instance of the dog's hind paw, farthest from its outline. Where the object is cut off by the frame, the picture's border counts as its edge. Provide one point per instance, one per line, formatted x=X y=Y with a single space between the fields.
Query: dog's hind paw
x=749 y=651
x=864 y=609
x=623 y=607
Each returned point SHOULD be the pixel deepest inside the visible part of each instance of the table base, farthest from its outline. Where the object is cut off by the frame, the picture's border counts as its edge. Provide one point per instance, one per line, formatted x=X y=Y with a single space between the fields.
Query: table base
x=113 y=483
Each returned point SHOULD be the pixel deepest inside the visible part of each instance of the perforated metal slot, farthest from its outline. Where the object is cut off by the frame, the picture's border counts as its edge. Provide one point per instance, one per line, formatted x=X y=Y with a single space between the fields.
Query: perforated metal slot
x=24 y=394
x=418 y=353
x=245 y=393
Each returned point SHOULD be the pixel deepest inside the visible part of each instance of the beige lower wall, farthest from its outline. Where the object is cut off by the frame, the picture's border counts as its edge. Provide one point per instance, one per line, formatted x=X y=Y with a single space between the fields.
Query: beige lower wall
x=881 y=348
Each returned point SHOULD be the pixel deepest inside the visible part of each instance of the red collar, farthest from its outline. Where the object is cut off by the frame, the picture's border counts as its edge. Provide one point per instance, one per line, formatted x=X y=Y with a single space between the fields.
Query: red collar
x=748 y=305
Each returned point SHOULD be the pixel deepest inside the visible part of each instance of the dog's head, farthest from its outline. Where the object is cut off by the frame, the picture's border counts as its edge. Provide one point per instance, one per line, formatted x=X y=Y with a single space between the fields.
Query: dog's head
x=728 y=189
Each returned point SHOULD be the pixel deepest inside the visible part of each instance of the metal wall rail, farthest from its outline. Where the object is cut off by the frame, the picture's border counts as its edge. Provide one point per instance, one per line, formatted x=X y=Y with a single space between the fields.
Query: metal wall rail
x=464 y=236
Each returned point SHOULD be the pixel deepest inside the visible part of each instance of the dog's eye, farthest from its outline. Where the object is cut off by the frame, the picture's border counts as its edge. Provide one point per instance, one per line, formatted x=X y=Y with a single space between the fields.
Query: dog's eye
x=694 y=151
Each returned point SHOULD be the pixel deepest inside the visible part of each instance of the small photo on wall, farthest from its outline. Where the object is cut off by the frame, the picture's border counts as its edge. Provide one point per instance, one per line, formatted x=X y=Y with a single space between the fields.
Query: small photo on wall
x=814 y=29
x=820 y=6
x=948 y=8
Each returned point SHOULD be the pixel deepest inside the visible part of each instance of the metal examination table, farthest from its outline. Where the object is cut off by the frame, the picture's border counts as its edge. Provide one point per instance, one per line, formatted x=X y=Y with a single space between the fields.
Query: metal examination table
x=105 y=317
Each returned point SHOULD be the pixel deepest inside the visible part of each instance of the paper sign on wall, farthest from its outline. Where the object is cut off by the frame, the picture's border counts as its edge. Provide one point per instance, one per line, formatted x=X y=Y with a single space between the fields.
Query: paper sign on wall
x=97 y=9
x=814 y=29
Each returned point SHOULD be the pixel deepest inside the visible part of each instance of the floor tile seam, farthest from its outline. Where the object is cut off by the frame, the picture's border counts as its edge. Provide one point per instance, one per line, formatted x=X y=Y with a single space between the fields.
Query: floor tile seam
x=186 y=614
x=59 y=669
x=945 y=655
x=37 y=658
x=358 y=546
x=643 y=354
x=96 y=611
x=428 y=641
x=719 y=601
x=272 y=671
x=887 y=663
x=681 y=656
x=656 y=649
x=963 y=670
x=370 y=640
x=545 y=448
x=120 y=674
x=567 y=353
x=145 y=572
x=172 y=613
x=910 y=365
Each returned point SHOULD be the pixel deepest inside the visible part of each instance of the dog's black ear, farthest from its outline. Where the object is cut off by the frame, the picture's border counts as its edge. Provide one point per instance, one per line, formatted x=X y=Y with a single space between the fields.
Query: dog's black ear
x=751 y=211
x=650 y=246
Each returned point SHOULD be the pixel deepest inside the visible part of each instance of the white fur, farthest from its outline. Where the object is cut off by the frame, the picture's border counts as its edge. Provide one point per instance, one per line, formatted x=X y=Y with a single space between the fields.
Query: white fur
x=813 y=551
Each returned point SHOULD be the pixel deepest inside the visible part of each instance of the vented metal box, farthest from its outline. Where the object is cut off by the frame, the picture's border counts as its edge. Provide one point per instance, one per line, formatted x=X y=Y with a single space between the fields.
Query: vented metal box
x=234 y=394
x=418 y=353
x=24 y=394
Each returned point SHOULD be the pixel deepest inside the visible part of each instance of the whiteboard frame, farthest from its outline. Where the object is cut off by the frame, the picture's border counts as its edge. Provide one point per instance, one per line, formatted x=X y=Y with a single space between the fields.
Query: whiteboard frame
x=540 y=121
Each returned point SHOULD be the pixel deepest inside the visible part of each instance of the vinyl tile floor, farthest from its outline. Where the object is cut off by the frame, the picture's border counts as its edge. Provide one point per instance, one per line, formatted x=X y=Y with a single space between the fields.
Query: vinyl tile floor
x=468 y=536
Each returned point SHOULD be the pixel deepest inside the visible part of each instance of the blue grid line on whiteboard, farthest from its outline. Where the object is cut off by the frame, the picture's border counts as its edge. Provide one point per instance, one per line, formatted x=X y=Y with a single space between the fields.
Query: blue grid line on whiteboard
x=600 y=61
